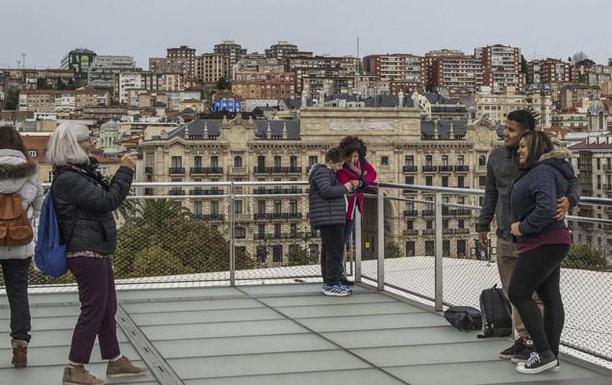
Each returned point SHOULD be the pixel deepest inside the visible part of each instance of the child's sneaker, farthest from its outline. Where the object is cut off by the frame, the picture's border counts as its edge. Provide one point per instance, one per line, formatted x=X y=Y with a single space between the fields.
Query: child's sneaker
x=336 y=290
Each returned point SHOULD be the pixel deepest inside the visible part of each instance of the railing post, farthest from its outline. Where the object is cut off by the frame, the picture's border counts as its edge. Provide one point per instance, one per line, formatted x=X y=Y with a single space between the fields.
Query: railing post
x=380 y=201
x=232 y=238
x=439 y=290
x=357 y=246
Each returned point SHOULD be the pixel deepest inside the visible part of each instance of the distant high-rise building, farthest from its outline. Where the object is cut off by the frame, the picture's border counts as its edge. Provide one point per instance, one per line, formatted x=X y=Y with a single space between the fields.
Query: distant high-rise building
x=210 y=67
x=78 y=60
x=232 y=50
x=400 y=67
x=501 y=67
x=549 y=71
x=184 y=53
x=281 y=50
x=456 y=75
x=104 y=68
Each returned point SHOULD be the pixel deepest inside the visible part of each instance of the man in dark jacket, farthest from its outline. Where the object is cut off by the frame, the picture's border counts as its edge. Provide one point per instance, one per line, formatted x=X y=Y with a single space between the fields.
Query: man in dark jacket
x=502 y=169
x=327 y=200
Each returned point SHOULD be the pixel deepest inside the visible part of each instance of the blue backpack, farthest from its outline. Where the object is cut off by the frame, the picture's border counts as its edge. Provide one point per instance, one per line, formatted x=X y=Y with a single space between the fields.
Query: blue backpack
x=49 y=254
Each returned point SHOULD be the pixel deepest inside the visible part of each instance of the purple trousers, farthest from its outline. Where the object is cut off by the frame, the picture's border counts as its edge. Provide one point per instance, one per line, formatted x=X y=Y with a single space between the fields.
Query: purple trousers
x=98 y=307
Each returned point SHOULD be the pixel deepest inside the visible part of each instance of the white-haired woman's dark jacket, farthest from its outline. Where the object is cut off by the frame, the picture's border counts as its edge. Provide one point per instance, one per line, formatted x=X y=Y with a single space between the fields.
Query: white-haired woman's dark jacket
x=17 y=175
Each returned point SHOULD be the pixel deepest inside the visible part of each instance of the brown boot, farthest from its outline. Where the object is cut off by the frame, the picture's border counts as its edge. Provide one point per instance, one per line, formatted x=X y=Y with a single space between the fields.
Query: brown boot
x=123 y=368
x=20 y=353
x=77 y=375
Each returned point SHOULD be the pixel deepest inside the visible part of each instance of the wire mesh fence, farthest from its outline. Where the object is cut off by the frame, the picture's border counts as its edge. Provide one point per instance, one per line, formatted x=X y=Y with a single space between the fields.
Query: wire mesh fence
x=468 y=266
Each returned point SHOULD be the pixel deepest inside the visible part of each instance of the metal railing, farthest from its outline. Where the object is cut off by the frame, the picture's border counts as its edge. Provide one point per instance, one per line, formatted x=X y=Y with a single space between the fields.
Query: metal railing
x=419 y=240
x=426 y=245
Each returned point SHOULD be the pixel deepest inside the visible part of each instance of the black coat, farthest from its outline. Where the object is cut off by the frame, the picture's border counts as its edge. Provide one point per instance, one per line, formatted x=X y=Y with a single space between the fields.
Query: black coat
x=85 y=205
x=327 y=198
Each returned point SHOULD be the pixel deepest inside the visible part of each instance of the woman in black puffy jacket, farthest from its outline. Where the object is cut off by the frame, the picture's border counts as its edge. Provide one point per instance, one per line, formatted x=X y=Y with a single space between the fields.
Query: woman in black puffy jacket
x=84 y=203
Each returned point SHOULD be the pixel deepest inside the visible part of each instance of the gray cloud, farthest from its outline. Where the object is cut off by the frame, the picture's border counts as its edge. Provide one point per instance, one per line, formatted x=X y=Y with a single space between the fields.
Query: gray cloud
x=46 y=30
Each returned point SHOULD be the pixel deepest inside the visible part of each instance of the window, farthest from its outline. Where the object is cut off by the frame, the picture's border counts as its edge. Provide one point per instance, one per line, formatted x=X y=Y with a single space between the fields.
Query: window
x=277 y=207
x=461 y=224
x=262 y=253
x=384 y=160
x=461 y=248
x=261 y=207
x=428 y=160
x=482 y=161
x=261 y=230
x=293 y=206
x=410 y=249
x=429 y=248
x=238 y=207
x=482 y=181
x=277 y=230
x=429 y=180
x=445 y=224
x=277 y=161
x=261 y=162
x=277 y=253
x=197 y=208
x=197 y=161
x=293 y=229
x=293 y=161
x=312 y=160
x=444 y=160
x=237 y=161
x=461 y=160
x=214 y=207
x=176 y=162
x=240 y=232
x=445 y=181
x=446 y=248
x=409 y=225
x=460 y=181
x=409 y=179
x=429 y=225
x=214 y=161
x=409 y=160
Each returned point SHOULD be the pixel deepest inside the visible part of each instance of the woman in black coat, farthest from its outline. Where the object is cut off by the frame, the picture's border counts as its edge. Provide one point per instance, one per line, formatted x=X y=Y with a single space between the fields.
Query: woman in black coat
x=84 y=203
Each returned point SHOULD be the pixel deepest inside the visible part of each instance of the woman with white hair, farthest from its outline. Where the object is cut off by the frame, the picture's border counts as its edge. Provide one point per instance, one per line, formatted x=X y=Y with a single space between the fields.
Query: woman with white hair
x=84 y=203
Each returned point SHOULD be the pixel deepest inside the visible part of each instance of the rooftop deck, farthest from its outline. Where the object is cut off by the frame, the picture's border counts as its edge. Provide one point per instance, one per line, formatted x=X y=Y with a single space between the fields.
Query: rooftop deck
x=277 y=334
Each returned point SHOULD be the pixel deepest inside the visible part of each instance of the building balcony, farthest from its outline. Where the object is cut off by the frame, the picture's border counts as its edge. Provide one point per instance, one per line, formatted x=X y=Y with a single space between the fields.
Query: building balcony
x=201 y=191
x=176 y=191
x=277 y=190
x=277 y=170
x=445 y=168
x=206 y=170
x=211 y=217
x=238 y=171
x=429 y=232
x=428 y=213
x=462 y=168
x=429 y=168
x=176 y=171
x=411 y=233
x=409 y=168
x=262 y=216
x=411 y=213
x=462 y=231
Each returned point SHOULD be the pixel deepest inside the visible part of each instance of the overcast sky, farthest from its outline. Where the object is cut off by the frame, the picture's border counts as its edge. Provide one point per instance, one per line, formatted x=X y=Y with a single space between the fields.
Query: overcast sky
x=46 y=30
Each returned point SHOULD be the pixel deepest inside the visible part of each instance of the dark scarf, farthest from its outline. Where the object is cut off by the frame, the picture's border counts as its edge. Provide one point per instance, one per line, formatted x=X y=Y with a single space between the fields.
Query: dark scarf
x=87 y=169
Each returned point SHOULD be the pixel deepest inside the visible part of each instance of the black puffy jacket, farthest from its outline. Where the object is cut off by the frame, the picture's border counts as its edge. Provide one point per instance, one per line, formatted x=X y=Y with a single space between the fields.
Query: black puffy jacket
x=85 y=205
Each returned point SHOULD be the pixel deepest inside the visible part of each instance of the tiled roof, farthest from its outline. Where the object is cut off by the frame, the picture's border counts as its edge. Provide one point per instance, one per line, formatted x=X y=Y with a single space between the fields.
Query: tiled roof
x=213 y=126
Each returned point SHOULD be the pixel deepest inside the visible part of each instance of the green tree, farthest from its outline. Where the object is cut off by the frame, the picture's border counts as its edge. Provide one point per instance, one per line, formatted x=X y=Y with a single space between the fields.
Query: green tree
x=584 y=258
x=12 y=99
x=533 y=112
x=300 y=256
x=155 y=261
x=223 y=84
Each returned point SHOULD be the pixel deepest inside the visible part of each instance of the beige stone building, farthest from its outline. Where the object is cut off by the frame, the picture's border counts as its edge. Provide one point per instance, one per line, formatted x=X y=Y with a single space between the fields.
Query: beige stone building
x=210 y=67
x=496 y=106
x=402 y=147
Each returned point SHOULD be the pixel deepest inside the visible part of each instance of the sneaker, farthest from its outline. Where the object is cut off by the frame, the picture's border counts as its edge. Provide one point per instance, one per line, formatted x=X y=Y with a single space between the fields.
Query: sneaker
x=524 y=354
x=336 y=290
x=123 y=368
x=538 y=363
x=20 y=353
x=512 y=350
x=77 y=375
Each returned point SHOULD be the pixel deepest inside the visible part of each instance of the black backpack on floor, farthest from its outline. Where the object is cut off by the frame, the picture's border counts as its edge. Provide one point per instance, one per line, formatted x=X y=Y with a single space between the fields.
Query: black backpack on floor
x=496 y=313
x=464 y=318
